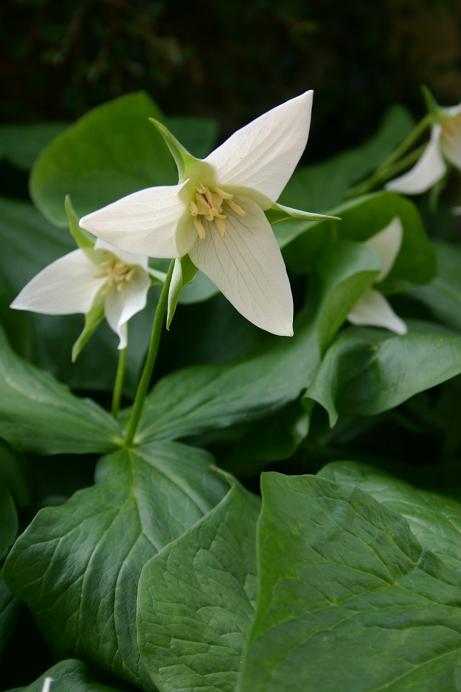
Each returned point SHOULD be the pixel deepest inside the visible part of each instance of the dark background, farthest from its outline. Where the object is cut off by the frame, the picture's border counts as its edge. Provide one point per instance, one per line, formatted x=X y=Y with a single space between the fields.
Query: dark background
x=231 y=59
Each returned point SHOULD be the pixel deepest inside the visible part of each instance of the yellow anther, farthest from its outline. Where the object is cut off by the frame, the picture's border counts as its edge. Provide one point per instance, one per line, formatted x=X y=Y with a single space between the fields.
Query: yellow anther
x=208 y=203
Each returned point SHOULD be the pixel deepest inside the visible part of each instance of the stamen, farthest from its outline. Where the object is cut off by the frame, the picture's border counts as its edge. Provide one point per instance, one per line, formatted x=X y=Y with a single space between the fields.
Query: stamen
x=235 y=207
x=207 y=204
x=199 y=227
x=116 y=273
x=221 y=225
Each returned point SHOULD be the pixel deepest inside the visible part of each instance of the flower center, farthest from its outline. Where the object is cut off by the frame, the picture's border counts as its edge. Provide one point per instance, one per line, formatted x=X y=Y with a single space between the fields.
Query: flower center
x=208 y=204
x=116 y=273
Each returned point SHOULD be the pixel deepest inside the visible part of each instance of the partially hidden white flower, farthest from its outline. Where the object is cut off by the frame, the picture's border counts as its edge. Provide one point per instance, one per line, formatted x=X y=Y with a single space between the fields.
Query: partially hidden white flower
x=372 y=308
x=101 y=276
x=444 y=146
x=216 y=213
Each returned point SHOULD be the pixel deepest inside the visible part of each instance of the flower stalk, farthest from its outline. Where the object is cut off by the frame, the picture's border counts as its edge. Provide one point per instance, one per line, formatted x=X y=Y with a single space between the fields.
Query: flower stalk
x=384 y=174
x=144 y=381
x=119 y=379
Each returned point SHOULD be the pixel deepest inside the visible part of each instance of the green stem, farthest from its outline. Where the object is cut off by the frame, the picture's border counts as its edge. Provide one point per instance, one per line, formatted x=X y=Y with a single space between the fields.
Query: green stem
x=386 y=169
x=151 y=357
x=118 y=384
x=407 y=143
x=381 y=176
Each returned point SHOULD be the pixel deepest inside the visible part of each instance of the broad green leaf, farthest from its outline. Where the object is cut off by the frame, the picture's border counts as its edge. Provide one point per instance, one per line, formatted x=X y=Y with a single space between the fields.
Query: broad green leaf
x=21 y=144
x=110 y=152
x=344 y=271
x=367 y=371
x=68 y=676
x=199 y=399
x=360 y=219
x=201 y=288
x=322 y=186
x=196 y=600
x=40 y=414
x=9 y=608
x=77 y=565
x=8 y=519
x=273 y=438
x=12 y=474
x=198 y=135
x=443 y=294
x=202 y=398
x=434 y=518
x=348 y=597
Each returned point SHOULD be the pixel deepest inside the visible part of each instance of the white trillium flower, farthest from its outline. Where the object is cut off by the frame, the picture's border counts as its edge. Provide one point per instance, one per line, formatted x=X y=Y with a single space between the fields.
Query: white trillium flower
x=372 y=308
x=444 y=146
x=86 y=278
x=216 y=213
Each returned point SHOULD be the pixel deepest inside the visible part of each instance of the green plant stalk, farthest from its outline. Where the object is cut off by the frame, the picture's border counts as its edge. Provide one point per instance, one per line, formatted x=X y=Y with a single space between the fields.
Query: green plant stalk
x=144 y=380
x=118 y=384
x=408 y=142
x=381 y=176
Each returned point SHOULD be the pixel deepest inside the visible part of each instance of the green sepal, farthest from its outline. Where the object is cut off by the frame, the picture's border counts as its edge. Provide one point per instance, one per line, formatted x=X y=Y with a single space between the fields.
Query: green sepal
x=182 y=158
x=92 y=320
x=278 y=213
x=82 y=238
x=432 y=106
x=184 y=272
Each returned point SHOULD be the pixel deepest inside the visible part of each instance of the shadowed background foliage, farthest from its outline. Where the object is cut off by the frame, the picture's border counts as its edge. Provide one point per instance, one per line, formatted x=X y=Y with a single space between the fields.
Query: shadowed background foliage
x=231 y=60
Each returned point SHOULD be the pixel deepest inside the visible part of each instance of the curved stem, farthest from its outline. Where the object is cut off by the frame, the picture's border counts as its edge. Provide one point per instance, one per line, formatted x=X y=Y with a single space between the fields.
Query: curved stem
x=408 y=142
x=390 y=166
x=144 y=380
x=118 y=384
x=380 y=176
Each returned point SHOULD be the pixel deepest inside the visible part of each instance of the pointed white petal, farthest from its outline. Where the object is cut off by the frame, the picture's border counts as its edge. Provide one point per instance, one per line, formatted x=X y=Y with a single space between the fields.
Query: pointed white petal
x=123 y=255
x=68 y=285
x=247 y=266
x=451 y=139
x=145 y=223
x=427 y=171
x=372 y=309
x=122 y=303
x=387 y=244
x=263 y=155
x=452 y=110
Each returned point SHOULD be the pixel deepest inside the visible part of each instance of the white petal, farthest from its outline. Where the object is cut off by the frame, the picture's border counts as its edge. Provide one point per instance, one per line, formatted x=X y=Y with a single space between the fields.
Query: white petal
x=123 y=255
x=263 y=154
x=68 y=285
x=387 y=244
x=144 y=223
x=451 y=139
x=121 y=304
x=247 y=266
x=452 y=110
x=372 y=309
x=427 y=171
x=47 y=684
